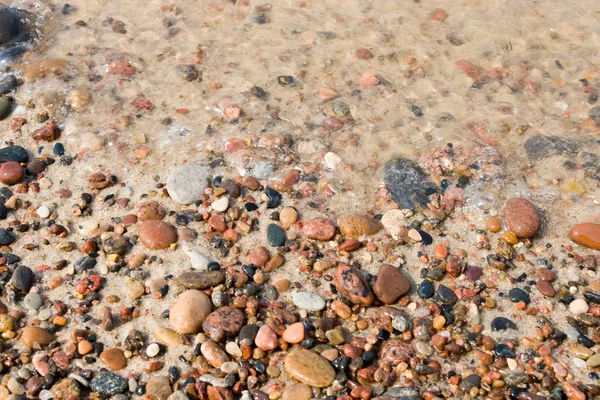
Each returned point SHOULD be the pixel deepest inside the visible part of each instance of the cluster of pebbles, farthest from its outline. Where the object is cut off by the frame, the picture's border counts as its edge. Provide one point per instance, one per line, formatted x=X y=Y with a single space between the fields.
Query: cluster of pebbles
x=225 y=283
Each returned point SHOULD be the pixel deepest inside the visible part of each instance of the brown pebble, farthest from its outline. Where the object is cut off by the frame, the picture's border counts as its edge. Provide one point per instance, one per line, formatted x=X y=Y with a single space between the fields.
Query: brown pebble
x=11 y=172
x=318 y=229
x=493 y=224
x=356 y=225
x=545 y=288
x=391 y=284
x=364 y=54
x=586 y=234
x=150 y=210
x=224 y=322
x=522 y=217
x=36 y=166
x=34 y=334
x=217 y=222
x=259 y=256
x=129 y=220
x=351 y=283
x=157 y=235
x=113 y=359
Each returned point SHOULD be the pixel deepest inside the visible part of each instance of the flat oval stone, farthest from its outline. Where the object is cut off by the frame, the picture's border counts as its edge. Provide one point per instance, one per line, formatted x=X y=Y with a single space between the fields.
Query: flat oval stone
x=308 y=301
x=516 y=295
x=545 y=288
x=188 y=311
x=200 y=279
x=586 y=234
x=357 y=225
x=13 y=153
x=34 y=334
x=391 y=284
x=113 y=359
x=351 y=283
x=225 y=321
x=150 y=210
x=502 y=323
x=318 y=229
x=11 y=172
x=275 y=235
x=522 y=217
x=297 y=391
x=157 y=235
x=187 y=183
x=309 y=368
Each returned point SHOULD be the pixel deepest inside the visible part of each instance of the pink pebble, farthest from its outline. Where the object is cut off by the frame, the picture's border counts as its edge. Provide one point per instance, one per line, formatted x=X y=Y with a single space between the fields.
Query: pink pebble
x=266 y=339
x=40 y=364
x=294 y=333
x=369 y=79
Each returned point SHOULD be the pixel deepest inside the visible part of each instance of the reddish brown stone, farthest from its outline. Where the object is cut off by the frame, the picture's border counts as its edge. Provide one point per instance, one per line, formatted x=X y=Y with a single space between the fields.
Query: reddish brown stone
x=522 y=217
x=150 y=210
x=113 y=359
x=318 y=229
x=545 y=288
x=11 y=172
x=259 y=256
x=48 y=132
x=224 y=322
x=157 y=235
x=351 y=284
x=217 y=222
x=391 y=284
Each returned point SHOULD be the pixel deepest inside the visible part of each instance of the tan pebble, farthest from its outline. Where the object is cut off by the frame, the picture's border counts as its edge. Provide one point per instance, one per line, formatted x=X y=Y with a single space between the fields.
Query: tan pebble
x=288 y=216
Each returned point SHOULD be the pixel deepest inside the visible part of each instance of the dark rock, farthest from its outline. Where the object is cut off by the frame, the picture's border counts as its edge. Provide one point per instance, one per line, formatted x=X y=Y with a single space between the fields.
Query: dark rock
x=10 y=26
x=134 y=340
x=8 y=83
x=540 y=146
x=594 y=114
x=471 y=381
x=275 y=235
x=446 y=295
x=3 y=211
x=108 y=383
x=22 y=278
x=13 y=153
x=248 y=332
x=232 y=188
x=501 y=324
x=591 y=296
x=36 y=166
x=6 y=237
x=502 y=350
x=516 y=295
x=274 y=197
x=426 y=290
x=474 y=273
x=407 y=183
x=84 y=264
x=58 y=149
x=516 y=379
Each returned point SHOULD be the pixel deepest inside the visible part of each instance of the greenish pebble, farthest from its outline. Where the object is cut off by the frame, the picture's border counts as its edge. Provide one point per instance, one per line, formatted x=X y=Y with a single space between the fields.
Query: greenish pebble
x=5 y=106
x=275 y=235
x=45 y=314
x=33 y=301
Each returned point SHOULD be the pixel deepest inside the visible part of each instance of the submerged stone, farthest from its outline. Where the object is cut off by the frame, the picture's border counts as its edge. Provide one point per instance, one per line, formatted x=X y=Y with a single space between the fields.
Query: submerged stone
x=407 y=183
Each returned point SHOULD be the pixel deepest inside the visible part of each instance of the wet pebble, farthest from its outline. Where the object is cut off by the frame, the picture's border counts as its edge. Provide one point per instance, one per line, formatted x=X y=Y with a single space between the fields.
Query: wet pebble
x=516 y=295
x=22 y=278
x=586 y=234
x=33 y=301
x=11 y=172
x=391 y=284
x=407 y=183
x=198 y=260
x=13 y=153
x=224 y=322
x=157 y=235
x=33 y=335
x=113 y=359
x=200 y=279
x=578 y=306
x=522 y=217
x=446 y=295
x=502 y=323
x=318 y=229
x=545 y=288
x=159 y=387
x=426 y=289
x=356 y=225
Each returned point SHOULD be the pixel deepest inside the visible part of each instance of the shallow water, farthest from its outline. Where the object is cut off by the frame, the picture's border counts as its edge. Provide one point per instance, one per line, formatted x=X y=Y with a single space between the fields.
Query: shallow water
x=526 y=59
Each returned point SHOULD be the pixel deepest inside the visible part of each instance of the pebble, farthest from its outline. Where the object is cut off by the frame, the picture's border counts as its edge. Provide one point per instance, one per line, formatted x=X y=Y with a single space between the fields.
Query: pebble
x=586 y=234
x=391 y=284
x=426 y=290
x=157 y=235
x=446 y=295
x=8 y=83
x=351 y=283
x=113 y=243
x=297 y=391
x=545 y=288
x=579 y=306
x=318 y=229
x=197 y=260
x=159 y=387
x=22 y=278
x=113 y=359
x=43 y=212
x=188 y=311
x=275 y=235
x=266 y=338
x=152 y=350
x=187 y=183
x=393 y=221
x=33 y=301
x=150 y=210
x=356 y=225
x=224 y=322
x=516 y=295
x=593 y=361
x=502 y=323
x=308 y=301
x=200 y=279
x=214 y=354
x=407 y=183
x=11 y=172
x=13 y=153
x=522 y=217
x=294 y=333
x=288 y=216
x=167 y=336
x=309 y=368
x=108 y=383
x=221 y=204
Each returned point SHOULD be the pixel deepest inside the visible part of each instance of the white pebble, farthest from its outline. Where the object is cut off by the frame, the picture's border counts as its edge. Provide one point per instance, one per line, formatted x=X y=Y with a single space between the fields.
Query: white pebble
x=198 y=260
x=308 y=301
x=512 y=364
x=332 y=160
x=220 y=205
x=43 y=212
x=579 y=362
x=579 y=306
x=152 y=350
x=229 y=367
x=233 y=349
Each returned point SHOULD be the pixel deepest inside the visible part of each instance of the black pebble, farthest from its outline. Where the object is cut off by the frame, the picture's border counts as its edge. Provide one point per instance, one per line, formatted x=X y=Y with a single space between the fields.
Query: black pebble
x=275 y=235
x=516 y=295
x=274 y=197
x=22 y=278
x=446 y=295
x=502 y=350
x=59 y=149
x=501 y=324
x=426 y=290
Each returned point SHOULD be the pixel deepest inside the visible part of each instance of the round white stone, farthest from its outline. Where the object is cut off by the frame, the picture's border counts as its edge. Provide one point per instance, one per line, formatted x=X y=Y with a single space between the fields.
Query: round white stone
x=152 y=350
x=579 y=306
x=332 y=160
x=221 y=204
x=187 y=183
x=43 y=212
x=309 y=301
x=198 y=260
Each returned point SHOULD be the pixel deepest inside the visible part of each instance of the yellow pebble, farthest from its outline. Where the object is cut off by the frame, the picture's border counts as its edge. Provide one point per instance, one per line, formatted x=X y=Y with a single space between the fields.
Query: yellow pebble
x=59 y=320
x=510 y=238
x=574 y=187
x=438 y=322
